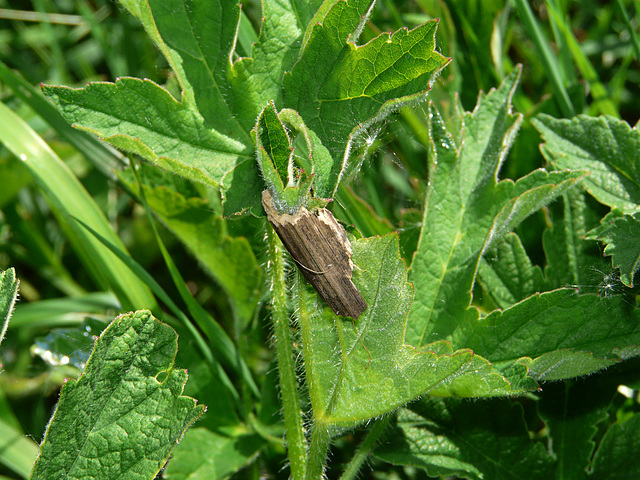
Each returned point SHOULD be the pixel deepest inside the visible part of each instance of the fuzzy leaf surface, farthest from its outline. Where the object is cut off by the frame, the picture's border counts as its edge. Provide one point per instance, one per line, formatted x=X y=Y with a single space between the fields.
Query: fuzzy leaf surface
x=361 y=370
x=485 y=439
x=506 y=273
x=231 y=93
x=141 y=117
x=569 y=257
x=8 y=295
x=125 y=414
x=467 y=209
x=605 y=146
x=560 y=334
x=339 y=87
x=623 y=244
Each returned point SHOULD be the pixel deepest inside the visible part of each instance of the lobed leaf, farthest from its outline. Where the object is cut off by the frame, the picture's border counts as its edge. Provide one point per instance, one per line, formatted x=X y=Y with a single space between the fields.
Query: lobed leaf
x=605 y=146
x=141 y=117
x=485 y=439
x=126 y=412
x=203 y=35
x=570 y=259
x=572 y=412
x=467 y=209
x=340 y=88
x=507 y=274
x=357 y=371
x=564 y=334
x=623 y=237
x=617 y=454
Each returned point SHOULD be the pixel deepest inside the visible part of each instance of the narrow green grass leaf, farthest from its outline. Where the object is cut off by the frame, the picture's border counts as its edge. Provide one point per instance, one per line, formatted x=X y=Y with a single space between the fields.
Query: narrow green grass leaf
x=229 y=260
x=605 y=146
x=635 y=42
x=8 y=295
x=547 y=57
x=58 y=312
x=219 y=339
x=71 y=199
x=38 y=252
x=129 y=399
x=602 y=101
x=17 y=451
x=166 y=299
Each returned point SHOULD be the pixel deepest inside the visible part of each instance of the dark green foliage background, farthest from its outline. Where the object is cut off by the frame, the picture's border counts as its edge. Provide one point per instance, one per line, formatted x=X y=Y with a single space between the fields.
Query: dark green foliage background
x=100 y=41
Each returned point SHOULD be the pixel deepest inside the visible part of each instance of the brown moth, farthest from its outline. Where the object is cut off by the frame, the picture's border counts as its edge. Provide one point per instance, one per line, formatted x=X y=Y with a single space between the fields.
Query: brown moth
x=320 y=247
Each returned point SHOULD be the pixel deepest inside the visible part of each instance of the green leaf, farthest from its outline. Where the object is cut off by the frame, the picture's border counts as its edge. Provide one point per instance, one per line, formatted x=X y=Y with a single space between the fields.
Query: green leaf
x=571 y=412
x=142 y=11
x=125 y=414
x=357 y=371
x=102 y=156
x=569 y=258
x=275 y=155
x=56 y=312
x=479 y=440
x=70 y=198
x=17 y=451
x=339 y=88
x=205 y=455
x=257 y=80
x=8 y=295
x=203 y=35
x=563 y=334
x=230 y=261
x=623 y=244
x=220 y=444
x=506 y=273
x=467 y=209
x=617 y=454
x=142 y=118
x=605 y=146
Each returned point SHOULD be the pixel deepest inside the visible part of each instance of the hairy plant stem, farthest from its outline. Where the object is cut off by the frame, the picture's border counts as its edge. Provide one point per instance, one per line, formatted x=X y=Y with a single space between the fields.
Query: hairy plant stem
x=365 y=448
x=294 y=431
x=318 y=450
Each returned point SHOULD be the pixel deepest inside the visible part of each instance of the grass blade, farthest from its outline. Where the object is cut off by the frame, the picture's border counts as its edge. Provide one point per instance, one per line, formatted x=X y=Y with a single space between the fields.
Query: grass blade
x=70 y=199
x=546 y=57
x=155 y=287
